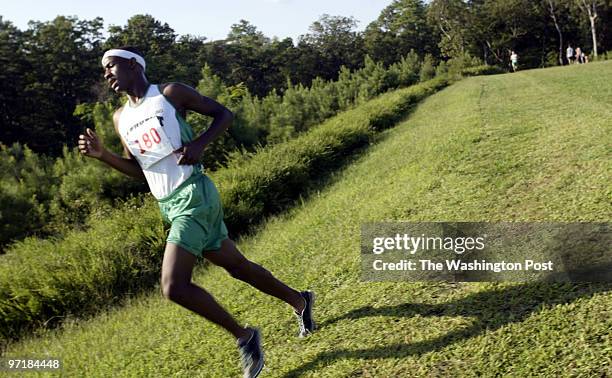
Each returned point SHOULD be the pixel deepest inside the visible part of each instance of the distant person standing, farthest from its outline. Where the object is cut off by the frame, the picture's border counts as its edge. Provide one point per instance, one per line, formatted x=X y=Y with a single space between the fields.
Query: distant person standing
x=569 y=53
x=579 y=55
x=514 y=60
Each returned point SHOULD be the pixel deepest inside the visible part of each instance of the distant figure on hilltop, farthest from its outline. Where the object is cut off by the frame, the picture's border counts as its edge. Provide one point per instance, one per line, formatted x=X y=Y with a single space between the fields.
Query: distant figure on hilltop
x=585 y=57
x=569 y=53
x=161 y=148
x=579 y=56
x=514 y=60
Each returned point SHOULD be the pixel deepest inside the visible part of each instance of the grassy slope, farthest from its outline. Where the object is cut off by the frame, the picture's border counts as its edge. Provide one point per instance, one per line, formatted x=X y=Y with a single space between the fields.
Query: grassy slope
x=527 y=146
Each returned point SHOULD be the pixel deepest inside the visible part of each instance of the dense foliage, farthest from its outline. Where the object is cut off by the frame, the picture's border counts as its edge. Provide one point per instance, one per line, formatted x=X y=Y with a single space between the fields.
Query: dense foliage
x=50 y=68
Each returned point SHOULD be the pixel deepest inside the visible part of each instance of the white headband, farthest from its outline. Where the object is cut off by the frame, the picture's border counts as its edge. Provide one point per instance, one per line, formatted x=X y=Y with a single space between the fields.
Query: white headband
x=123 y=54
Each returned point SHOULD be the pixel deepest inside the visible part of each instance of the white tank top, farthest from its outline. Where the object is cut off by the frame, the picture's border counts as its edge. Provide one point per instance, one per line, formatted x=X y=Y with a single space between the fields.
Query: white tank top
x=152 y=130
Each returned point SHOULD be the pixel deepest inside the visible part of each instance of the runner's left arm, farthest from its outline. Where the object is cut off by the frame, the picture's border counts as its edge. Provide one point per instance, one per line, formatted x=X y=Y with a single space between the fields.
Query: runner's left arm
x=185 y=98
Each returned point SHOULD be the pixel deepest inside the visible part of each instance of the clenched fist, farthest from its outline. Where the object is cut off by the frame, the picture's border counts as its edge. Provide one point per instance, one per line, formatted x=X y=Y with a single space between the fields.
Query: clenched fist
x=90 y=145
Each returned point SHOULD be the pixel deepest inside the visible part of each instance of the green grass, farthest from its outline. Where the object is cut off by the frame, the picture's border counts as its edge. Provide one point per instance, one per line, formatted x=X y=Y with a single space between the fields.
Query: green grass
x=528 y=146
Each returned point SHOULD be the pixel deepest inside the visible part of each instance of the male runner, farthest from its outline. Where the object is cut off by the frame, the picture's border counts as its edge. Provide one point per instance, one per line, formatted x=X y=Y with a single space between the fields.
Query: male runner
x=160 y=147
x=569 y=54
x=514 y=60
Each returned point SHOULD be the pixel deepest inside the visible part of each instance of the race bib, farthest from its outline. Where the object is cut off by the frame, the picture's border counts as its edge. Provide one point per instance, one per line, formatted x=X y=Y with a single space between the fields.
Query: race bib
x=148 y=141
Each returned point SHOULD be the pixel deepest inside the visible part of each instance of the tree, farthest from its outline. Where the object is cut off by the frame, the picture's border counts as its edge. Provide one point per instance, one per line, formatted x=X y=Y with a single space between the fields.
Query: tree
x=309 y=66
x=400 y=28
x=504 y=25
x=452 y=19
x=590 y=9
x=189 y=56
x=14 y=65
x=336 y=42
x=245 y=49
x=284 y=58
x=63 y=64
x=552 y=9
x=246 y=34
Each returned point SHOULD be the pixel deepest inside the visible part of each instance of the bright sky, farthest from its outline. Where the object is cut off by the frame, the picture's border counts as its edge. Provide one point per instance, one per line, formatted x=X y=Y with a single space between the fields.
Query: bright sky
x=210 y=19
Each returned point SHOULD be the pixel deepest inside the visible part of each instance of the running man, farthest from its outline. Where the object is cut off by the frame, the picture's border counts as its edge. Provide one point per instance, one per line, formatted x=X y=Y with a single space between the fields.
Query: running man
x=514 y=60
x=160 y=148
x=569 y=54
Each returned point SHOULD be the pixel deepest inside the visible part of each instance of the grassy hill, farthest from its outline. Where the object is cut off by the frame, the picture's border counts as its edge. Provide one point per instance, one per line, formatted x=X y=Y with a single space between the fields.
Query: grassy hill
x=527 y=146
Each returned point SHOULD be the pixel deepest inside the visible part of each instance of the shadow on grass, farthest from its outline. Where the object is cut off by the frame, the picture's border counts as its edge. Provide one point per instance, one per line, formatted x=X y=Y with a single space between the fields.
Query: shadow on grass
x=491 y=309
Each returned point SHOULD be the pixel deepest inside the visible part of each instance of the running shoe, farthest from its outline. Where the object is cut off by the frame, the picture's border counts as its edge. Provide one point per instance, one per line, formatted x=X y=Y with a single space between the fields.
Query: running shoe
x=251 y=355
x=305 y=321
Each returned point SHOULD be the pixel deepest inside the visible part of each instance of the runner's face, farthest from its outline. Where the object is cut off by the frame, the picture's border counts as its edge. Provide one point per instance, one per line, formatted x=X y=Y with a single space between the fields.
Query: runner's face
x=117 y=73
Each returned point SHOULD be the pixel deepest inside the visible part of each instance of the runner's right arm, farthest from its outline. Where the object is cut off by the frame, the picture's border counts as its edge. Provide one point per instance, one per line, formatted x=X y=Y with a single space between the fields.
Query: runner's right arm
x=90 y=145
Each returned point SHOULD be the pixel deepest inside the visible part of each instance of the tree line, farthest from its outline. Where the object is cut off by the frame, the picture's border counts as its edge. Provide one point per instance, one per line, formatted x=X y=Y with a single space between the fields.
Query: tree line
x=53 y=66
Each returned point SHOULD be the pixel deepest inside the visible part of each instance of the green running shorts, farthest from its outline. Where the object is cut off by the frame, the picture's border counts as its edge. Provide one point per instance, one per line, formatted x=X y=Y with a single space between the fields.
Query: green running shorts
x=196 y=216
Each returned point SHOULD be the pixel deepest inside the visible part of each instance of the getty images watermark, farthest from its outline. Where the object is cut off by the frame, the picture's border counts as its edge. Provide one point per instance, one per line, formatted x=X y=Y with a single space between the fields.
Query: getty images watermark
x=481 y=251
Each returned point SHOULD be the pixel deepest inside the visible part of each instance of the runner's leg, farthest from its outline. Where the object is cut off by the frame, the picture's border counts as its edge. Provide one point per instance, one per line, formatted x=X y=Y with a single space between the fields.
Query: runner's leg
x=176 y=283
x=230 y=258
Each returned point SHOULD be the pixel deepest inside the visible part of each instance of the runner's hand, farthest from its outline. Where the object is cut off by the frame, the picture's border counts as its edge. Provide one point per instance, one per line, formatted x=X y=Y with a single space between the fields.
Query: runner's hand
x=90 y=145
x=190 y=153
